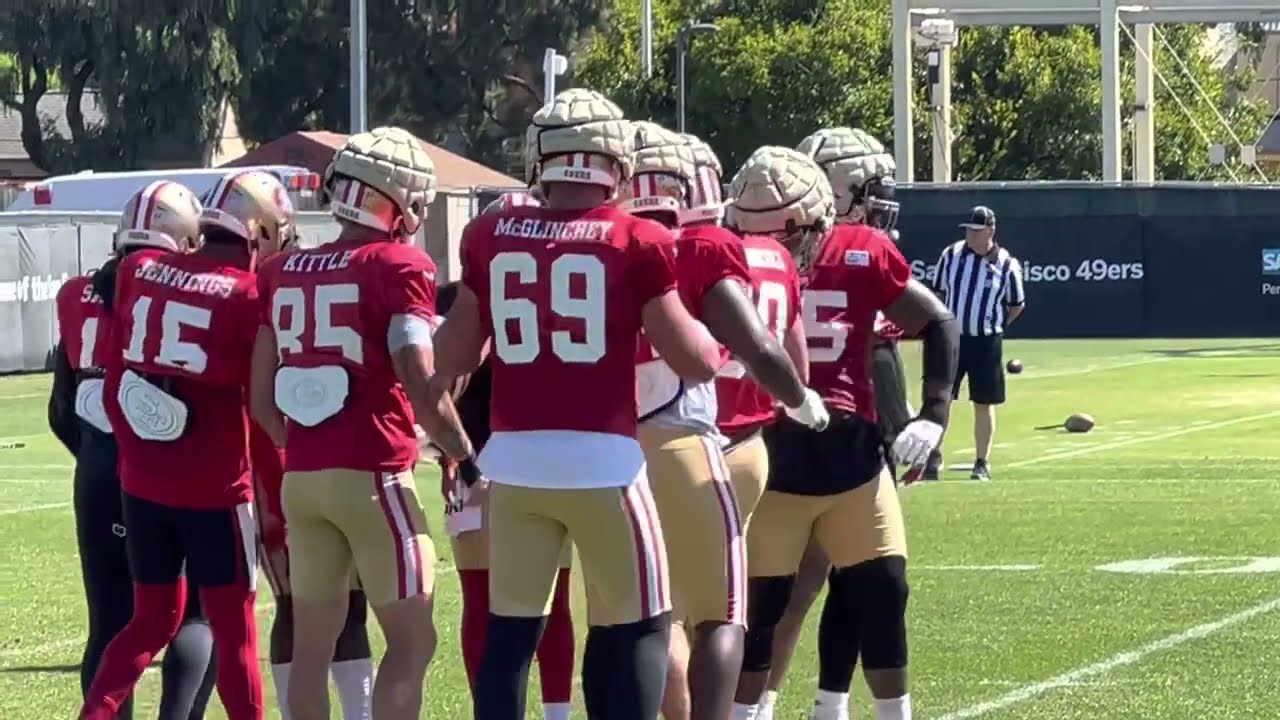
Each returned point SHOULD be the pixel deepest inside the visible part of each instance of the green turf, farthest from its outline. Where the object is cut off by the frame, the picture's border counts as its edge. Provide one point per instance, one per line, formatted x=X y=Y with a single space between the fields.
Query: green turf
x=1181 y=464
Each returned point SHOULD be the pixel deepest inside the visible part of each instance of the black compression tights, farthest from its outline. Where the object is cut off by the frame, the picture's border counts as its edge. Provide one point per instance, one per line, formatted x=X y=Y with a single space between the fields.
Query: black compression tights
x=187 y=671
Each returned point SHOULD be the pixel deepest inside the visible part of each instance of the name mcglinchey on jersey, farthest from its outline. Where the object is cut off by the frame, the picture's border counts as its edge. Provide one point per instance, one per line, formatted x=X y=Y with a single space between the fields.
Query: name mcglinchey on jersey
x=564 y=230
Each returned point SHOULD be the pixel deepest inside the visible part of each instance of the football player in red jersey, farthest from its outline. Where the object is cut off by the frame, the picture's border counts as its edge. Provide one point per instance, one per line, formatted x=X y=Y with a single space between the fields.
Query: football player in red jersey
x=340 y=371
x=561 y=293
x=861 y=176
x=466 y=494
x=834 y=485
x=351 y=666
x=696 y=500
x=78 y=419
x=186 y=324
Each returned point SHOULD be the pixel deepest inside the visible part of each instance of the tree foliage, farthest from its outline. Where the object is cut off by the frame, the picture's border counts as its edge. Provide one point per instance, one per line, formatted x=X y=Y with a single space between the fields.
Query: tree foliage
x=1026 y=101
x=467 y=73
x=162 y=71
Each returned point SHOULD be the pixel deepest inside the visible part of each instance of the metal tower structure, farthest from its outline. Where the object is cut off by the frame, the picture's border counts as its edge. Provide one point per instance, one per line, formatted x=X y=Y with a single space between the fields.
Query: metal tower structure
x=1107 y=15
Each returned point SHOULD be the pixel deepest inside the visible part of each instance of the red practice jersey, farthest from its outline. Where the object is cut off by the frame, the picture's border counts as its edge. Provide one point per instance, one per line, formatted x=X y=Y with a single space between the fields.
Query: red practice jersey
x=330 y=306
x=887 y=329
x=186 y=322
x=775 y=289
x=705 y=255
x=84 y=324
x=857 y=272
x=561 y=294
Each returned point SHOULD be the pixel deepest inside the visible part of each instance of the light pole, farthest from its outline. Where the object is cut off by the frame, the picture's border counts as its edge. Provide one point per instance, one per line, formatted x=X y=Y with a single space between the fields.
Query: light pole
x=682 y=48
x=358 y=36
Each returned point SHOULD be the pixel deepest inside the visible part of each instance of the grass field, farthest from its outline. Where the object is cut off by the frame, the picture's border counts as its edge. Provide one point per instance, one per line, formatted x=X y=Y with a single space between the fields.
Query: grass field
x=1011 y=614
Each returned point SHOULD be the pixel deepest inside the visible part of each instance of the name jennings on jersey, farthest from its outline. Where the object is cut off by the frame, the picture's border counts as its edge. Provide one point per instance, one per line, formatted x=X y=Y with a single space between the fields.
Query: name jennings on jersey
x=212 y=284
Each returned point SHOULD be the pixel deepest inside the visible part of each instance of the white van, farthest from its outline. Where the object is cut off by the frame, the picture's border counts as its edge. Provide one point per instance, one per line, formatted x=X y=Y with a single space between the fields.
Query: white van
x=109 y=191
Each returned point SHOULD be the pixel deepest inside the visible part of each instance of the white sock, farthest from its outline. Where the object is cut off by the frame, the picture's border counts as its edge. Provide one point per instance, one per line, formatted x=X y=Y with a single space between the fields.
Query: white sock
x=280 y=678
x=354 y=679
x=829 y=705
x=766 y=705
x=895 y=709
x=744 y=712
x=556 y=711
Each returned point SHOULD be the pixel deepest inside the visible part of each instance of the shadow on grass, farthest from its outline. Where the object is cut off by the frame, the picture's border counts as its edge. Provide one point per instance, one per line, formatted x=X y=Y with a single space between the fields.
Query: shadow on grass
x=1245 y=351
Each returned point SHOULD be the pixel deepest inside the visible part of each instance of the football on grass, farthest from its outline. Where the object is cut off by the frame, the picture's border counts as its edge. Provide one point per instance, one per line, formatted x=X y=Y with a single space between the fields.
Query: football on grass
x=1013 y=366
x=1079 y=423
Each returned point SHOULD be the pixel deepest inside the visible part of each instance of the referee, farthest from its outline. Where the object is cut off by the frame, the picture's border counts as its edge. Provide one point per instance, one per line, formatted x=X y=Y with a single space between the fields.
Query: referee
x=982 y=286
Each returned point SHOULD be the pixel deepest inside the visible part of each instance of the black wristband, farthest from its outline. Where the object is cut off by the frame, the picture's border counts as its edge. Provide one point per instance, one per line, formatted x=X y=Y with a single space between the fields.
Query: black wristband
x=468 y=471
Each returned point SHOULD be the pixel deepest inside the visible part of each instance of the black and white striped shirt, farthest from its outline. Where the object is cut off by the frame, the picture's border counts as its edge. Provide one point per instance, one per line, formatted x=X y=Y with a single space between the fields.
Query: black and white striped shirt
x=977 y=288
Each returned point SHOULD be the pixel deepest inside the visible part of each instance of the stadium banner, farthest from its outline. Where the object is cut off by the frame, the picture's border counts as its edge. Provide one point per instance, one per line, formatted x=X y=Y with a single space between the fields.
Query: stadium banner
x=34 y=262
x=1216 y=280
x=1181 y=260
x=1083 y=279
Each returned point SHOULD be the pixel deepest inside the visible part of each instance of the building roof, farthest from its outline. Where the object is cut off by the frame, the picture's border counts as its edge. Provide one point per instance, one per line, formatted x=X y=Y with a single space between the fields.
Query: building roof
x=314 y=149
x=51 y=106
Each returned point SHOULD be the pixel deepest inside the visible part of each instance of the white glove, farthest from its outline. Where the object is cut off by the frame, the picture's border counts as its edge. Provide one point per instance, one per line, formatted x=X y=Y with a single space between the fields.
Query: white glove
x=811 y=412
x=916 y=441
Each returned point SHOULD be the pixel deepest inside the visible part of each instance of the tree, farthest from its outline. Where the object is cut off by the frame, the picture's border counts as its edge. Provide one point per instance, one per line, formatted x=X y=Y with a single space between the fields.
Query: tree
x=162 y=71
x=462 y=72
x=769 y=76
x=1027 y=101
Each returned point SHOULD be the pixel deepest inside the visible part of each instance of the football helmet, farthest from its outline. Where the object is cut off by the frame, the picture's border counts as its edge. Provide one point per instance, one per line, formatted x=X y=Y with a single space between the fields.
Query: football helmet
x=861 y=174
x=783 y=193
x=509 y=200
x=707 y=202
x=252 y=205
x=581 y=137
x=664 y=172
x=381 y=179
x=164 y=215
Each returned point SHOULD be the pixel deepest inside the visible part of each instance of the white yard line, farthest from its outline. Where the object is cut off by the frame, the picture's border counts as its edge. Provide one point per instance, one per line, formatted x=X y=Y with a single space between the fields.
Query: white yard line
x=1105 y=667
x=1089 y=450
x=1032 y=374
x=33 y=508
x=979 y=568
x=23 y=396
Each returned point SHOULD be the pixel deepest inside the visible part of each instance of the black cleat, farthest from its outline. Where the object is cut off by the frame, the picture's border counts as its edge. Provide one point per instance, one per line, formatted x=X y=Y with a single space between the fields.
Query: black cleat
x=981 y=470
x=933 y=466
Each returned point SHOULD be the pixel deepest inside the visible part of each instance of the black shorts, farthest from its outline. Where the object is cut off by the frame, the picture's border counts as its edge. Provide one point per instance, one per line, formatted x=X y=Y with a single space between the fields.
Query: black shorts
x=982 y=360
x=217 y=547
x=847 y=454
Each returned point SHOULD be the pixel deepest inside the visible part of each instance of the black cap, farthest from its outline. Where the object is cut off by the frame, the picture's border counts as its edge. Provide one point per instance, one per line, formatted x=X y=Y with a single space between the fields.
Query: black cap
x=980 y=217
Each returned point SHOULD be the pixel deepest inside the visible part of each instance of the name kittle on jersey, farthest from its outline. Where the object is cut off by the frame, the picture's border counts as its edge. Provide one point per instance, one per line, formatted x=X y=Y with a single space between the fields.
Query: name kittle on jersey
x=318 y=263
x=564 y=230
x=203 y=283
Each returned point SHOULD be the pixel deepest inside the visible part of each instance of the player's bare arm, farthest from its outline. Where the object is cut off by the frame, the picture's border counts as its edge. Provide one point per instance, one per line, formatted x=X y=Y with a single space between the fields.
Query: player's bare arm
x=412 y=359
x=262 y=372
x=459 y=342
x=733 y=321
x=683 y=342
x=920 y=313
x=797 y=346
